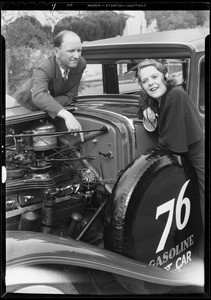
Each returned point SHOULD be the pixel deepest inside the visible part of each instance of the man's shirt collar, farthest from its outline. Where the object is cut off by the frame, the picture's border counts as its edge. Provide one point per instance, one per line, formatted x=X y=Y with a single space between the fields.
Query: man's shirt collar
x=65 y=73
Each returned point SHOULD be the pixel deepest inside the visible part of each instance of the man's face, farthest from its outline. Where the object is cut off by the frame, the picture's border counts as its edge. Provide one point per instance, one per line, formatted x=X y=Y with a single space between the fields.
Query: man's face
x=69 y=52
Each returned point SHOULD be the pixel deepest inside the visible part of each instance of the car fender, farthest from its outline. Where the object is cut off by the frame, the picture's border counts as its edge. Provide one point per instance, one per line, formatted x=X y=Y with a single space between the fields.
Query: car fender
x=31 y=248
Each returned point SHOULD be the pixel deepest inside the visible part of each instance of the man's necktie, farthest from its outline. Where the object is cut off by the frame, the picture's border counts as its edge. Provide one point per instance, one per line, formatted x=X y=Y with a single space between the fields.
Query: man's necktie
x=65 y=77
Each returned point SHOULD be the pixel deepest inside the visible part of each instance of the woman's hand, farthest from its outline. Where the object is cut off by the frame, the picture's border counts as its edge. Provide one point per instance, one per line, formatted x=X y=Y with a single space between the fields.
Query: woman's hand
x=71 y=123
x=149 y=114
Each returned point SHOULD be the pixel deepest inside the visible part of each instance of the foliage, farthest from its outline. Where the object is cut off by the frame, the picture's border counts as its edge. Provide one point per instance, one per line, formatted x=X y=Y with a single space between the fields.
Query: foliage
x=202 y=17
x=171 y=20
x=26 y=45
x=48 y=30
x=25 y=31
x=94 y=25
x=21 y=62
x=68 y=23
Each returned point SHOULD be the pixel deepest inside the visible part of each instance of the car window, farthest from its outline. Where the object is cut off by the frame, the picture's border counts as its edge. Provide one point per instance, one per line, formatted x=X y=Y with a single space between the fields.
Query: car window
x=92 y=80
x=127 y=78
x=201 y=100
x=179 y=69
x=120 y=77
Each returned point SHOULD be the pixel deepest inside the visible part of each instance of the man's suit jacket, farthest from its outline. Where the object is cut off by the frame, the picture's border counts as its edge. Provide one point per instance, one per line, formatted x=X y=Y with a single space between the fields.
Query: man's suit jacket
x=49 y=92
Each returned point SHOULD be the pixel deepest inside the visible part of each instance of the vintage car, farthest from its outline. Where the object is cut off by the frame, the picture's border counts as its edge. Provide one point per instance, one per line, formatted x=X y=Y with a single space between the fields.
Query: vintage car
x=110 y=215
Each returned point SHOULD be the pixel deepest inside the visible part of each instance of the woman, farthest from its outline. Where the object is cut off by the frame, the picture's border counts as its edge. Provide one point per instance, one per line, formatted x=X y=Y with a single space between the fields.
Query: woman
x=179 y=125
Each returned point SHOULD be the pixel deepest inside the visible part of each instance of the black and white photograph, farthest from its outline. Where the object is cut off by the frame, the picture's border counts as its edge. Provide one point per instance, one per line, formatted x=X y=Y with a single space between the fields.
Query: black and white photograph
x=104 y=134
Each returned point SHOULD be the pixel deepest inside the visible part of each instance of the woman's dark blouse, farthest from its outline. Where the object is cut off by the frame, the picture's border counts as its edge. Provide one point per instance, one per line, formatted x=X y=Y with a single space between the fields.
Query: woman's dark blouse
x=179 y=124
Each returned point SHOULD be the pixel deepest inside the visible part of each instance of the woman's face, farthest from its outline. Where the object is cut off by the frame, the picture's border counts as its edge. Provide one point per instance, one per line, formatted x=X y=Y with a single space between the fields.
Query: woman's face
x=152 y=82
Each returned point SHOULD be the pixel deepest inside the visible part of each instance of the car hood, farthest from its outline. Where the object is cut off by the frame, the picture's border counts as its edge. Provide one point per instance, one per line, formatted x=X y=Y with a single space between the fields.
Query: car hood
x=125 y=105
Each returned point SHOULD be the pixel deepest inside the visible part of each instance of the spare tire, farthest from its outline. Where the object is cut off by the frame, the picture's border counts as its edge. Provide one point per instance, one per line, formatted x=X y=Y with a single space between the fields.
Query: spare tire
x=154 y=212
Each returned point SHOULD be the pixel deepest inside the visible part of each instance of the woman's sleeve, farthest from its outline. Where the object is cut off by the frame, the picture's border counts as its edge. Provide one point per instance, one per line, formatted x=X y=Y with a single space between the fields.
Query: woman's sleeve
x=143 y=103
x=179 y=124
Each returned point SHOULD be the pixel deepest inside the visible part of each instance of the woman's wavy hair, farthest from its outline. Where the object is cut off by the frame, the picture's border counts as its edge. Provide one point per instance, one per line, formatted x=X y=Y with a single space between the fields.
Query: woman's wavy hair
x=168 y=79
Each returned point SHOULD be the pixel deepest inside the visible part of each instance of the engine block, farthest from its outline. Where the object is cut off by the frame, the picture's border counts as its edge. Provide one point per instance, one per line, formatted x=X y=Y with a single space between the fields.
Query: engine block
x=48 y=186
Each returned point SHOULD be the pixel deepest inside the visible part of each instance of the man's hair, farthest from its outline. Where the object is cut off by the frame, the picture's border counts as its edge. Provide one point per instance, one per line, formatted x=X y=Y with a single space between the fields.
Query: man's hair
x=58 y=40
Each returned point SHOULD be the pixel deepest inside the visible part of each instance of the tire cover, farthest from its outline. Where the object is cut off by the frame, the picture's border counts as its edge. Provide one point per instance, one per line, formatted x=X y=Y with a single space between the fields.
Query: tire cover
x=153 y=211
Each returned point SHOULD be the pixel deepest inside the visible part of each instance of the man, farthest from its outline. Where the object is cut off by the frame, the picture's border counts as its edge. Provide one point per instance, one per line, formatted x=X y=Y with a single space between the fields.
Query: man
x=57 y=79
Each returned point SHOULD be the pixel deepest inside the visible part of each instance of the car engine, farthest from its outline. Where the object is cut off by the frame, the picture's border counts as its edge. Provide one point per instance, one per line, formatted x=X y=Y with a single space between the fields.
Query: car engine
x=49 y=188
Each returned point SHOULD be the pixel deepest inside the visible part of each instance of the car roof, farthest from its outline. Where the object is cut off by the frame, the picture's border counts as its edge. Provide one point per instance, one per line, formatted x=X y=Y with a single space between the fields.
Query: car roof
x=192 y=37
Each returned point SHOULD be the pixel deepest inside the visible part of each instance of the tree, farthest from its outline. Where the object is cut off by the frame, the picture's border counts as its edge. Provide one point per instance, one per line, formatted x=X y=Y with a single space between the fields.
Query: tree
x=21 y=62
x=171 y=20
x=93 y=25
x=26 y=45
x=202 y=17
x=25 y=31
x=48 y=30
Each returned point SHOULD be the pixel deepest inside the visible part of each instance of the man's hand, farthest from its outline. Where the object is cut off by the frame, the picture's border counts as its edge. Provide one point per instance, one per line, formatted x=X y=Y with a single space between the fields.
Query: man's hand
x=149 y=114
x=71 y=123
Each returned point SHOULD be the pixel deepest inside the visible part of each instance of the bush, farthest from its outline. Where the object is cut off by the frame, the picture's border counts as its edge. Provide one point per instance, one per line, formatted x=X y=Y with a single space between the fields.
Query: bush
x=22 y=32
x=21 y=62
x=171 y=20
x=93 y=26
